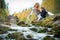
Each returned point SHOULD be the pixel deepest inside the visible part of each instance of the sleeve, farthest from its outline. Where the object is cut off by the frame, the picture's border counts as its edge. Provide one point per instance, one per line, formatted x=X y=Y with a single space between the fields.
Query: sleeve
x=51 y=14
x=30 y=14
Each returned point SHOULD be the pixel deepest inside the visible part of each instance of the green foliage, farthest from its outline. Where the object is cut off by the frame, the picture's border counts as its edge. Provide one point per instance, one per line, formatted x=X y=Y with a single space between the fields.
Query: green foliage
x=22 y=16
x=52 y=5
x=2 y=4
x=3 y=15
x=56 y=31
x=32 y=18
x=3 y=11
x=47 y=22
x=22 y=23
x=42 y=30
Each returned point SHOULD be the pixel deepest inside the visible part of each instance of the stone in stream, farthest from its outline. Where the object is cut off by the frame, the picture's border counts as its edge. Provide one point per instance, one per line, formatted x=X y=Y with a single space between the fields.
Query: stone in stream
x=29 y=37
x=42 y=30
x=57 y=20
x=56 y=26
x=16 y=36
x=22 y=23
x=34 y=29
x=3 y=29
x=57 y=17
x=1 y=38
x=48 y=38
x=56 y=31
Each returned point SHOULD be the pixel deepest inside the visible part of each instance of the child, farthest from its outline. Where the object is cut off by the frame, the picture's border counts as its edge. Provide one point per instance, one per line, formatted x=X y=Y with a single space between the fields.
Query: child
x=36 y=11
x=44 y=12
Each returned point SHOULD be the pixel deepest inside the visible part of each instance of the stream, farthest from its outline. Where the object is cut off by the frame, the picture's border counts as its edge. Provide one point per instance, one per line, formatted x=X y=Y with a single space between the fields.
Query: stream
x=26 y=31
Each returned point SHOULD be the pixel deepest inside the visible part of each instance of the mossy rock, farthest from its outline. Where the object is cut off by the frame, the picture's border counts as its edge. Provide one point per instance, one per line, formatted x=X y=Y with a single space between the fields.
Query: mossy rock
x=3 y=29
x=47 y=22
x=57 y=17
x=36 y=23
x=29 y=36
x=48 y=38
x=12 y=30
x=56 y=31
x=34 y=29
x=22 y=23
x=42 y=30
x=17 y=36
x=50 y=33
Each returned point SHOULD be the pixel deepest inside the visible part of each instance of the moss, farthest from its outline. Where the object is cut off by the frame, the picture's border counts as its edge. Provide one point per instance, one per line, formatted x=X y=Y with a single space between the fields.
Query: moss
x=17 y=36
x=42 y=31
x=29 y=36
x=47 y=22
x=51 y=33
x=4 y=30
x=56 y=31
x=34 y=29
x=23 y=24
x=12 y=30
x=48 y=38
x=36 y=23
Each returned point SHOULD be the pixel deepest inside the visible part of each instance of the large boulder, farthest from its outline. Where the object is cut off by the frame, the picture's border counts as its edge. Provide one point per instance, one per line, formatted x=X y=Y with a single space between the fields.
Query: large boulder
x=56 y=28
x=16 y=36
x=11 y=19
x=57 y=20
x=48 y=38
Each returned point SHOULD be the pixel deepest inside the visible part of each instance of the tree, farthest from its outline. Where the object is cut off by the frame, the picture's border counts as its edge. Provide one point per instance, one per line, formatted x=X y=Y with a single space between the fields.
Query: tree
x=2 y=4
x=52 y=5
x=3 y=10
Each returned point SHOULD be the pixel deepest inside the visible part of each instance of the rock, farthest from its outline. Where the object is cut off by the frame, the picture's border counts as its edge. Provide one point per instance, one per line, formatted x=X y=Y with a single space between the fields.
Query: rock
x=42 y=30
x=1 y=38
x=34 y=29
x=11 y=19
x=56 y=18
x=17 y=36
x=48 y=38
x=57 y=38
x=57 y=22
x=56 y=31
x=23 y=24
x=29 y=36
x=3 y=29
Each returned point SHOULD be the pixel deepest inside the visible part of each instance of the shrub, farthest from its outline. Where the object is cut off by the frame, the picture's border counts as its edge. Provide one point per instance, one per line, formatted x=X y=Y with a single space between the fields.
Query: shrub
x=47 y=22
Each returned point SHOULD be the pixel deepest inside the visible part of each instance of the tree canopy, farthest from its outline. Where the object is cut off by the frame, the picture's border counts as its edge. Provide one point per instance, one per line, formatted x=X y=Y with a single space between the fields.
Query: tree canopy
x=3 y=10
x=52 y=5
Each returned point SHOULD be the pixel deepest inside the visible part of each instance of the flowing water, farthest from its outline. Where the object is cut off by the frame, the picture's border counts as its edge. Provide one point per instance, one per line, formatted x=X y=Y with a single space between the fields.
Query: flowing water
x=26 y=31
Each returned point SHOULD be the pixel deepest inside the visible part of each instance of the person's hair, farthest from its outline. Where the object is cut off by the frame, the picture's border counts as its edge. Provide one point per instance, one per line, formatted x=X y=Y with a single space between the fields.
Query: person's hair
x=42 y=7
x=36 y=4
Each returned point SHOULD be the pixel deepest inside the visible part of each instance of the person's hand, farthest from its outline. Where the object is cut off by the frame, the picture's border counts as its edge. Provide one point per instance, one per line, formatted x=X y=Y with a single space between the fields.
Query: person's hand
x=36 y=21
x=28 y=18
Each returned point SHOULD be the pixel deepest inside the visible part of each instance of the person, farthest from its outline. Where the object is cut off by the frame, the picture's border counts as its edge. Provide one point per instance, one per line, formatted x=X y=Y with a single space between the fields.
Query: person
x=36 y=11
x=44 y=12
